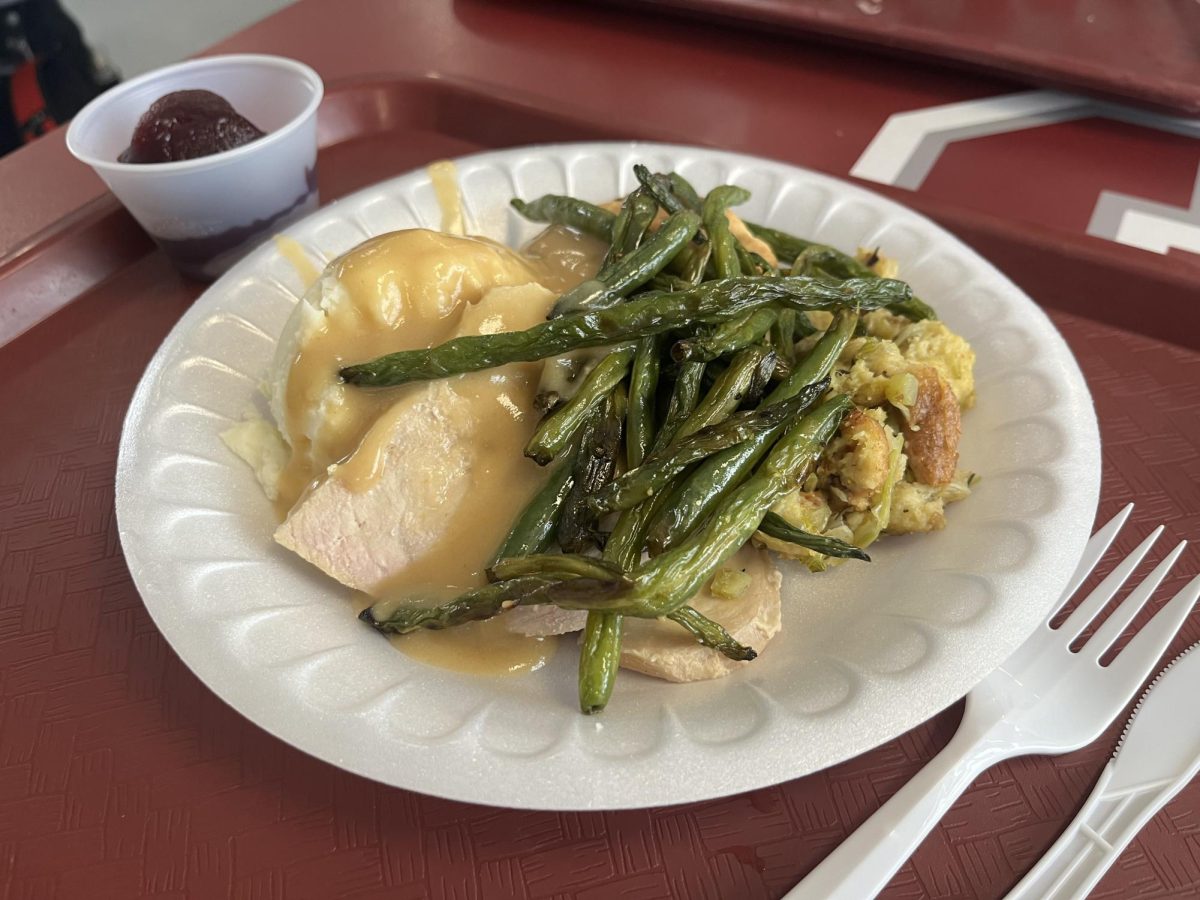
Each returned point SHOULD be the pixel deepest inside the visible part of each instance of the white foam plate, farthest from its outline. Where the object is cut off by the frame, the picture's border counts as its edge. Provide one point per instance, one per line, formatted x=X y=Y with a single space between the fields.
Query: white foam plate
x=866 y=651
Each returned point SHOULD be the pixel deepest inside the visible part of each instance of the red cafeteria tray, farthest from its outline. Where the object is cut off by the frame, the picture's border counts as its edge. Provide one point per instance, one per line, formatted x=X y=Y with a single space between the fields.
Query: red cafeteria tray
x=1136 y=52
x=122 y=776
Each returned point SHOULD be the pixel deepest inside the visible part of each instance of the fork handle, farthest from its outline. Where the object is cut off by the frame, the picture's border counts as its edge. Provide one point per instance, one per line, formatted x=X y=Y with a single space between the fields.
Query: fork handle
x=1095 y=839
x=865 y=862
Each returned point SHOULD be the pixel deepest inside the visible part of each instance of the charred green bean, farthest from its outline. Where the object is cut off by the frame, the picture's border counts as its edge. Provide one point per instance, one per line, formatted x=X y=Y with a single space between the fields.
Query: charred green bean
x=554 y=433
x=713 y=301
x=570 y=211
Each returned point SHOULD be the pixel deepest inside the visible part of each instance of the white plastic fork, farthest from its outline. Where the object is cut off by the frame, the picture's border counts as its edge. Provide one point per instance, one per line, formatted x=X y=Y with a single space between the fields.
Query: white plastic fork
x=1046 y=698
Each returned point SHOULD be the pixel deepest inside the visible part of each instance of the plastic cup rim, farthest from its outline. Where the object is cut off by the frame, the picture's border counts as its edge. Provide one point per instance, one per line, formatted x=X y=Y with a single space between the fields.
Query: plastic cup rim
x=213 y=160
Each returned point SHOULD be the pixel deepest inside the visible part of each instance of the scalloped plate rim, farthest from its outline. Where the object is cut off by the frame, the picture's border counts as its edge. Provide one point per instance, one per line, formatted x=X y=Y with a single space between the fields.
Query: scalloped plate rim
x=505 y=782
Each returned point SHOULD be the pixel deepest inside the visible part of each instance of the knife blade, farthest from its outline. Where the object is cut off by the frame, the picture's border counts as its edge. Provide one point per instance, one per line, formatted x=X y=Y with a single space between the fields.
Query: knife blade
x=1161 y=740
x=1157 y=756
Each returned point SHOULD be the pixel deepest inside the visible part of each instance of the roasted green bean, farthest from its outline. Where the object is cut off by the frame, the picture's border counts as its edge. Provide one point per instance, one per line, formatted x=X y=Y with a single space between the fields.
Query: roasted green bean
x=784 y=335
x=480 y=603
x=820 y=259
x=668 y=283
x=599 y=660
x=761 y=379
x=685 y=394
x=786 y=247
x=599 y=444
x=492 y=600
x=753 y=264
x=553 y=435
x=713 y=301
x=556 y=566
x=693 y=501
x=643 y=385
x=711 y=634
x=648 y=479
x=633 y=269
x=533 y=531
x=682 y=188
x=810 y=256
x=726 y=394
x=661 y=188
x=728 y=337
x=629 y=230
x=776 y=526
x=724 y=253
x=666 y=582
x=569 y=211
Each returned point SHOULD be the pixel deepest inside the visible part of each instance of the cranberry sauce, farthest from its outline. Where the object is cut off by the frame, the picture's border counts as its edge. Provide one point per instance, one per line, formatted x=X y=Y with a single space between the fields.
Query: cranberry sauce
x=188 y=125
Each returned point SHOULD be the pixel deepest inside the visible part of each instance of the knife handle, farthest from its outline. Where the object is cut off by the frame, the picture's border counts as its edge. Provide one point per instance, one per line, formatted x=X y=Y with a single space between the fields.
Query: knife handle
x=1095 y=839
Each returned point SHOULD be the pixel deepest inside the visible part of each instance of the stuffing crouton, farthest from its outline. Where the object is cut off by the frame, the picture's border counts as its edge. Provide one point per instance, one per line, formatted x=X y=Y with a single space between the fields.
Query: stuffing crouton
x=864 y=369
x=933 y=428
x=921 y=507
x=883 y=323
x=930 y=342
x=855 y=465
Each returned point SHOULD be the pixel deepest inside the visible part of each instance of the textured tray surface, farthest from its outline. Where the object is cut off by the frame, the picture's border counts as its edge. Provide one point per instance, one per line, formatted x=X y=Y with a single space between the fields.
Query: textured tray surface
x=121 y=775
x=112 y=753
x=1140 y=54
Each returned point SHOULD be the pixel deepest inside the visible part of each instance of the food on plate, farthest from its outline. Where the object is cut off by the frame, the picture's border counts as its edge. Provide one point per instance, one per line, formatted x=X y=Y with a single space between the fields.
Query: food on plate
x=616 y=430
x=188 y=125
x=743 y=595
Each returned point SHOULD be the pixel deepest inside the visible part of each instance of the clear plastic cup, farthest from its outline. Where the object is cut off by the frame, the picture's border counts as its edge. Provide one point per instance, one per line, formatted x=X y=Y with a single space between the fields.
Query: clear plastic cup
x=207 y=212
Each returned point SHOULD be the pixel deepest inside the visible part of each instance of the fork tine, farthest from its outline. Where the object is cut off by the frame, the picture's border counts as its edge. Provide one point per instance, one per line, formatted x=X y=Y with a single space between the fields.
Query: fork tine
x=1106 y=635
x=1098 y=599
x=1096 y=547
x=1142 y=654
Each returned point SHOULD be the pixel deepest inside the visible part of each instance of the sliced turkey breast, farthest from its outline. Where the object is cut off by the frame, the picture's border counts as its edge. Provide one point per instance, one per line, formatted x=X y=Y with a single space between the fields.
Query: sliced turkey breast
x=664 y=650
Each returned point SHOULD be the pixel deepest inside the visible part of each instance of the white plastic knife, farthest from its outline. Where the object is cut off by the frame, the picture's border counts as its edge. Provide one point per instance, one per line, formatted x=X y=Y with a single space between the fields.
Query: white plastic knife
x=1158 y=754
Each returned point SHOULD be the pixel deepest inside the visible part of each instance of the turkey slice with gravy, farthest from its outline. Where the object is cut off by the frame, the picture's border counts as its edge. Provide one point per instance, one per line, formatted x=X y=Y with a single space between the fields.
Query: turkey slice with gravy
x=662 y=648
x=412 y=486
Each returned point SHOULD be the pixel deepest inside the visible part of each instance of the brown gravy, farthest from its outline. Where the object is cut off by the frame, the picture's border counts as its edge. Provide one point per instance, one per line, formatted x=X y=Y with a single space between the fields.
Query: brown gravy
x=299 y=260
x=414 y=289
x=477 y=648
